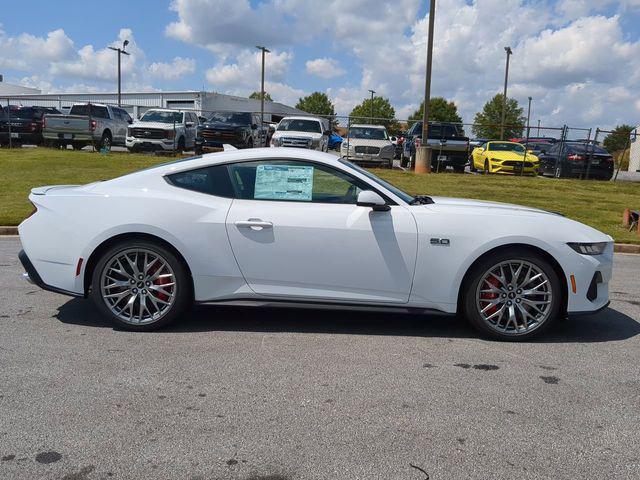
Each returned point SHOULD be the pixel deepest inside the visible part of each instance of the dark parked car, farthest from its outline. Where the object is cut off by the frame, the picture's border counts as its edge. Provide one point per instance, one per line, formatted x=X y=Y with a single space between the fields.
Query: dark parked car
x=23 y=124
x=239 y=129
x=449 y=147
x=539 y=148
x=570 y=159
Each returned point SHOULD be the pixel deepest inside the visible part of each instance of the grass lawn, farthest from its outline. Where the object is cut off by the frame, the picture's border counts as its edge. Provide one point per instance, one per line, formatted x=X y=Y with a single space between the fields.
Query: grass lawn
x=599 y=204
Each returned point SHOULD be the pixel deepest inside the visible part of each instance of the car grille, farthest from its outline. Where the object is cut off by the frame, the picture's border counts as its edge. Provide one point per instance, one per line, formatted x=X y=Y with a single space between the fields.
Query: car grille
x=152 y=133
x=368 y=150
x=297 y=142
x=210 y=134
x=515 y=163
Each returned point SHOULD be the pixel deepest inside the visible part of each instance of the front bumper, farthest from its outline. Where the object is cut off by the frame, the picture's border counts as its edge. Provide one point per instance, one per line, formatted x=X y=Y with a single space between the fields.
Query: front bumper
x=218 y=145
x=33 y=277
x=514 y=168
x=592 y=274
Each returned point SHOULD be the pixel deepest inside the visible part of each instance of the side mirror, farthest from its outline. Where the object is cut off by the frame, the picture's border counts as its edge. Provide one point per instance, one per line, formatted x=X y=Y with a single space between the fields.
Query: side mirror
x=369 y=198
x=254 y=126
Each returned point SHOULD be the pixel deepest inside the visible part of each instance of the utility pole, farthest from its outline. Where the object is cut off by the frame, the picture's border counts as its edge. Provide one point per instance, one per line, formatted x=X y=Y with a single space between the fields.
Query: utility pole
x=528 y=119
x=372 y=93
x=120 y=52
x=264 y=51
x=504 y=95
x=423 y=154
x=538 y=127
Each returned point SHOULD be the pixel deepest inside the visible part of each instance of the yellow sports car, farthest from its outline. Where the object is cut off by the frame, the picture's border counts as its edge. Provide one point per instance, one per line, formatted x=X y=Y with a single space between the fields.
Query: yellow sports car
x=503 y=157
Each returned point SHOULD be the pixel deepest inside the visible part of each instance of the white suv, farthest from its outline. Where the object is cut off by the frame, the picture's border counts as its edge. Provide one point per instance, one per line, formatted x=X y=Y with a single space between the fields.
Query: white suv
x=302 y=132
x=161 y=129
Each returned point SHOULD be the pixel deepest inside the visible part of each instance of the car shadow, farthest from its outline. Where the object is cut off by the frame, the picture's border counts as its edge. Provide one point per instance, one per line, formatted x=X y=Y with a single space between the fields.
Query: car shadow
x=606 y=326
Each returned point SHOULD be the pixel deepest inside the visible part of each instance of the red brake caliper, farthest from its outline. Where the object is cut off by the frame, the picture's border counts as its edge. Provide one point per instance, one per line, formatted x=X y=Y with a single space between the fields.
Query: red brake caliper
x=491 y=295
x=159 y=281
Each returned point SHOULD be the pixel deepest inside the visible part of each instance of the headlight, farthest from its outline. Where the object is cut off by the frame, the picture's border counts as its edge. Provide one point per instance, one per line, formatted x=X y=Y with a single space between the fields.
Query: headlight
x=589 y=248
x=276 y=142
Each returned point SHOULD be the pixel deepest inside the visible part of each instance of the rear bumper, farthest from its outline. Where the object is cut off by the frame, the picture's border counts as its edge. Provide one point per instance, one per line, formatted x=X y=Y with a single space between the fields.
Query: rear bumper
x=70 y=137
x=33 y=277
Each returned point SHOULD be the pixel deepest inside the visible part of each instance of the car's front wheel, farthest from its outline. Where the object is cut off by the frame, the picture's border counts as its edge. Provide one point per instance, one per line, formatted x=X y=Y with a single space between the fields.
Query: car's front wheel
x=512 y=295
x=141 y=286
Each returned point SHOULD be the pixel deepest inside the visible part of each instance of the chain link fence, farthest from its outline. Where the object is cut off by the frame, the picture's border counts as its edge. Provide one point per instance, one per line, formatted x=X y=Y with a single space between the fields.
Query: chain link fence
x=178 y=133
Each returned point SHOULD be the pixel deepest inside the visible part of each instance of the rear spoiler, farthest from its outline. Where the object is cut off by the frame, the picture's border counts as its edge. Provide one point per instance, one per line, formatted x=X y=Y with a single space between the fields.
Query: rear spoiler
x=44 y=190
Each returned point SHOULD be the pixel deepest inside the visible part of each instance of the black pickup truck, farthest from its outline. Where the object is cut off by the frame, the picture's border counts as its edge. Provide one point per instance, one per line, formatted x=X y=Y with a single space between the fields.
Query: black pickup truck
x=22 y=125
x=239 y=129
x=449 y=148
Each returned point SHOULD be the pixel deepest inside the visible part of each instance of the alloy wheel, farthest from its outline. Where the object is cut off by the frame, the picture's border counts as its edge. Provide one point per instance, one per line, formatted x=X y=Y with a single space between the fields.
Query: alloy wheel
x=514 y=297
x=138 y=286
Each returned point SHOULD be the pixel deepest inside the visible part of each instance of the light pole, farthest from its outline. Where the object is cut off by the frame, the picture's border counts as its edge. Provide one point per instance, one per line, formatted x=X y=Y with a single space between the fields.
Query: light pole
x=264 y=51
x=120 y=52
x=372 y=94
x=504 y=95
x=528 y=119
x=423 y=154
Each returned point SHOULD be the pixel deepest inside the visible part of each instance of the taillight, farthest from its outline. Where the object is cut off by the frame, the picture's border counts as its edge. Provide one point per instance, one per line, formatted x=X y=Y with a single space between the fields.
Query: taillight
x=575 y=158
x=418 y=142
x=94 y=125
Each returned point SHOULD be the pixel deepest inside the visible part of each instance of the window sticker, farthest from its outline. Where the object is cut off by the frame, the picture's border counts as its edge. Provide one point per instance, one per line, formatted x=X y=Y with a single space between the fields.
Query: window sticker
x=283 y=182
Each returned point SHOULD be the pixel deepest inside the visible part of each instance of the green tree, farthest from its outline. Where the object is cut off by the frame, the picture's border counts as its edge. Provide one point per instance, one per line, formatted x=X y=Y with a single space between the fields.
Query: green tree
x=618 y=139
x=381 y=111
x=440 y=110
x=317 y=103
x=256 y=96
x=487 y=122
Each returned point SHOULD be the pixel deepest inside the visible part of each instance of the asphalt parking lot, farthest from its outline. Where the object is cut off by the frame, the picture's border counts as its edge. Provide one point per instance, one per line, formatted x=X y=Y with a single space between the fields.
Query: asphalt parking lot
x=246 y=393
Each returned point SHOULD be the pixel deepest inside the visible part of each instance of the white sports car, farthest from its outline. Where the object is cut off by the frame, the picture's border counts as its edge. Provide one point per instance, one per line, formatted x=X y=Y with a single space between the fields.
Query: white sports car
x=292 y=225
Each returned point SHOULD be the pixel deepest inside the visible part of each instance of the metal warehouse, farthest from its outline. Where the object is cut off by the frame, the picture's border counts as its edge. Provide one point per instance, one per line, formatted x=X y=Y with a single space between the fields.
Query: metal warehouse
x=137 y=103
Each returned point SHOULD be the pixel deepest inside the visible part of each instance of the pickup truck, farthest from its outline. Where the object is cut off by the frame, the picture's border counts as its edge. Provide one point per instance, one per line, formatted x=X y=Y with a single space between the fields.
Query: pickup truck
x=163 y=129
x=448 y=146
x=238 y=129
x=22 y=125
x=302 y=132
x=87 y=124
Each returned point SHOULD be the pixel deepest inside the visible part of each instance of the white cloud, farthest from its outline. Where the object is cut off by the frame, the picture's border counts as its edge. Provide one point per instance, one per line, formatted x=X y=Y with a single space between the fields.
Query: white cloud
x=324 y=68
x=174 y=70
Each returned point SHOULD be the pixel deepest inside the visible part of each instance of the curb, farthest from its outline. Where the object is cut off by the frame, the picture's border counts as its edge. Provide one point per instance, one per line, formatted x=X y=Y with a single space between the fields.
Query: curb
x=617 y=248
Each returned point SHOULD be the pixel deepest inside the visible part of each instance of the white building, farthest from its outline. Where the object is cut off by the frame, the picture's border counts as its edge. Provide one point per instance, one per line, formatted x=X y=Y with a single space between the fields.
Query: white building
x=634 y=152
x=203 y=103
x=10 y=89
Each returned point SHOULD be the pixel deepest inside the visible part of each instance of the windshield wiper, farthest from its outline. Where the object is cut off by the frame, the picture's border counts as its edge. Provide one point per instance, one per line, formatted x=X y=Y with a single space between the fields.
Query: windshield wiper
x=421 y=200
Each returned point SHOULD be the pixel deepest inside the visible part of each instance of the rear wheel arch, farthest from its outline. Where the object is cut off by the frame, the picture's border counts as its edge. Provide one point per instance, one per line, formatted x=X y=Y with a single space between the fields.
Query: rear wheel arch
x=519 y=246
x=97 y=253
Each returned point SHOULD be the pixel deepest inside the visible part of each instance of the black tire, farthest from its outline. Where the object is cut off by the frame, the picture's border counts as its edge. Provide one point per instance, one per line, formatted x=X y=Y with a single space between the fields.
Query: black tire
x=106 y=141
x=472 y=166
x=183 y=285
x=198 y=151
x=458 y=168
x=77 y=146
x=487 y=169
x=403 y=160
x=469 y=292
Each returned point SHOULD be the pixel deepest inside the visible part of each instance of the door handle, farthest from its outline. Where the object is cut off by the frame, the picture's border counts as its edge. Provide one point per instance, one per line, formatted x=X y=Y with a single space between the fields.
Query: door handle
x=254 y=224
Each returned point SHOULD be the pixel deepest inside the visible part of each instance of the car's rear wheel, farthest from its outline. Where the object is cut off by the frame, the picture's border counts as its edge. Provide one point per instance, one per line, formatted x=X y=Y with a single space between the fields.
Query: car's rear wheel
x=141 y=286
x=512 y=295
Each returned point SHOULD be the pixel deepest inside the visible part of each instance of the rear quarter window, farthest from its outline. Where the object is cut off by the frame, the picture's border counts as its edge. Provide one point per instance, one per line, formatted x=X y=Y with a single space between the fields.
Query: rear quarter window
x=210 y=180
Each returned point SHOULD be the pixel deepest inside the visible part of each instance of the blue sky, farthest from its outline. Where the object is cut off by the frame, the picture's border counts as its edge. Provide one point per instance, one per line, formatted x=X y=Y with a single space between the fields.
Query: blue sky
x=578 y=59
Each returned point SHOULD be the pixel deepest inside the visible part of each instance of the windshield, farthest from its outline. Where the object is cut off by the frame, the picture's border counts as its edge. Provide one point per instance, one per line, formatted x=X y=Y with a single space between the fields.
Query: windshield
x=162 y=116
x=231 y=117
x=583 y=148
x=505 y=147
x=299 y=125
x=396 y=191
x=369 y=133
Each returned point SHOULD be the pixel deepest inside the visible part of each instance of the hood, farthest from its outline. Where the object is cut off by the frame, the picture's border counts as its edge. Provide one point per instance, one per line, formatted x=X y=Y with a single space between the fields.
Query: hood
x=156 y=125
x=294 y=133
x=366 y=142
x=496 y=206
x=224 y=126
x=511 y=156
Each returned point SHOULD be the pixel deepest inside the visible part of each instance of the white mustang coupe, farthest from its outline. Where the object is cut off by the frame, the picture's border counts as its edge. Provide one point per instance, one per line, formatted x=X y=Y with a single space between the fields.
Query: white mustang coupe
x=292 y=225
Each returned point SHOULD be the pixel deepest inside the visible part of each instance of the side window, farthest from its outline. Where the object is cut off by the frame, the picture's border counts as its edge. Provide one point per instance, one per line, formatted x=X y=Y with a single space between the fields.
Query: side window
x=99 y=112
x=293 y=181
x=212 y=180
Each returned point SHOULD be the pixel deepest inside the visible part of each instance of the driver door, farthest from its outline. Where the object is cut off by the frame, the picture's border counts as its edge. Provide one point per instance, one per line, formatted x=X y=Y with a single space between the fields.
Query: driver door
x=296 y=232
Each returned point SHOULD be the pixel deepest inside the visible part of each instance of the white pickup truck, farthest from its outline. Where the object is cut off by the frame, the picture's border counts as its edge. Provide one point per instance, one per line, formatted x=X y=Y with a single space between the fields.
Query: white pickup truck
x=87 y=124
x=163 y=129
